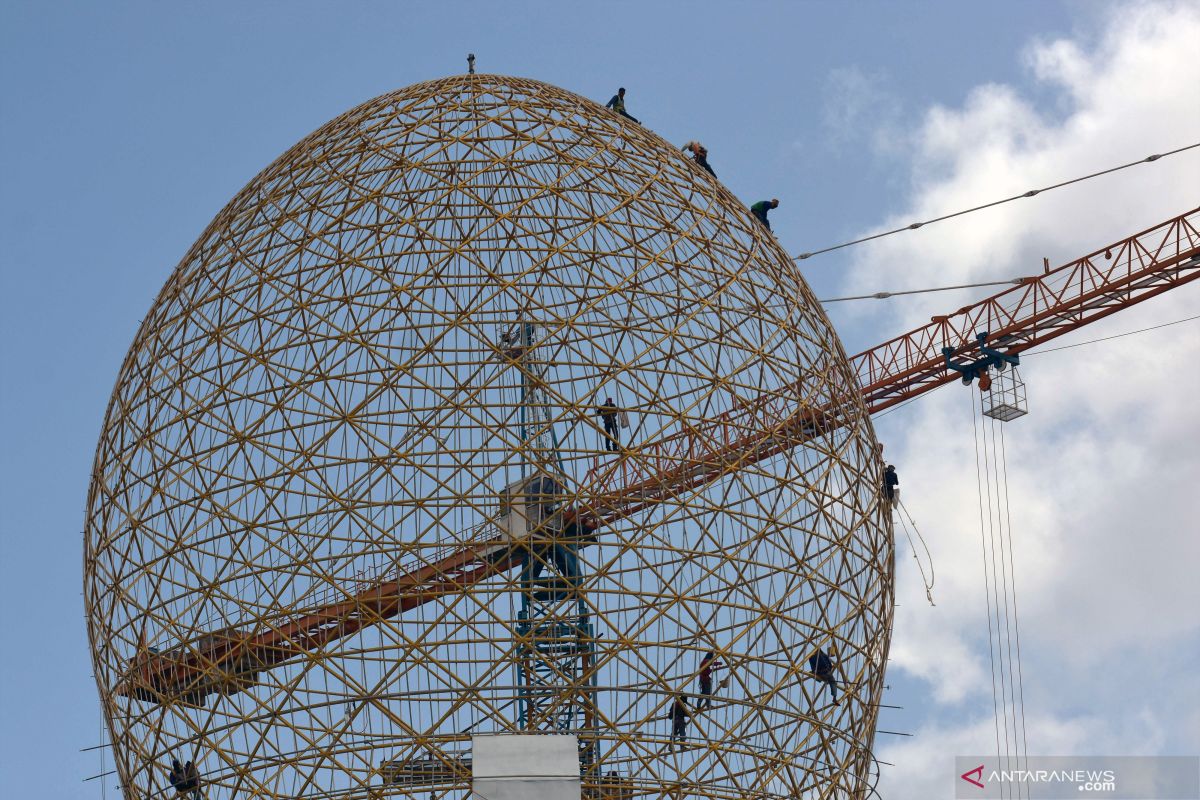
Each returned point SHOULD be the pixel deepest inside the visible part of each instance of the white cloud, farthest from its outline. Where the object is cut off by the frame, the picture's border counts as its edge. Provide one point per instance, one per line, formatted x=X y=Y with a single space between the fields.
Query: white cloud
x=1101 y=473
x=1133 y=94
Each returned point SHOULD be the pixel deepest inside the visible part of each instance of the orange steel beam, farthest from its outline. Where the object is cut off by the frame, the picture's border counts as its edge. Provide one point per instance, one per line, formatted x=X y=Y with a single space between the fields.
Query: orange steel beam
x=1043 y=307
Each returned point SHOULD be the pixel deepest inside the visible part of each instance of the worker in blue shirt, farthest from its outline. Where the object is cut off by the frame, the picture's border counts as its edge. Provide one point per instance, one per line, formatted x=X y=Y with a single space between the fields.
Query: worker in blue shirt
x=185 y=779
x=821 y=666
x=891 y=485
x=617 y=104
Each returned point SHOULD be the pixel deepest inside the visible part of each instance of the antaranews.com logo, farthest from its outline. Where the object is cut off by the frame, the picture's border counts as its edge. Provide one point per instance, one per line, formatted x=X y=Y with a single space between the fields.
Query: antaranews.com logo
x=1056 y=777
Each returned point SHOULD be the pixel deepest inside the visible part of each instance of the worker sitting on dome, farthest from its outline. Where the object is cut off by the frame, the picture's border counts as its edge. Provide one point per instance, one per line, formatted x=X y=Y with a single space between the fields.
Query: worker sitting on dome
x=708 y=665
x=822 y=667
x=679 y=717
x=617 y=104
x=760 y=209
x=891 y=485
x=608 y=414
x=699 y=155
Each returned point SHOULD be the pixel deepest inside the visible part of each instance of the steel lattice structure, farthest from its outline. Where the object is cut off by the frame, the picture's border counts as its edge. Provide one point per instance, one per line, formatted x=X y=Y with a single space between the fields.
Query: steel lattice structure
x=299 y=567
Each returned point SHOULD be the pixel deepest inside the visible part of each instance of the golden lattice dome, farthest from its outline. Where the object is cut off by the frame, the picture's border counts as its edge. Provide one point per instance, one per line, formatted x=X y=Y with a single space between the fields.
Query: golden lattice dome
x=360 y=493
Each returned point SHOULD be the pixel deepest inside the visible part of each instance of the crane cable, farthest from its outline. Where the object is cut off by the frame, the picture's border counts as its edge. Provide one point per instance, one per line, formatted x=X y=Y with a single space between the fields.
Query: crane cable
x=888 y=295
x=1114 y=336
x=987 y=592
x=1031 y=193
x=1019 y=691
x=1007 y=582
x=1000 y=588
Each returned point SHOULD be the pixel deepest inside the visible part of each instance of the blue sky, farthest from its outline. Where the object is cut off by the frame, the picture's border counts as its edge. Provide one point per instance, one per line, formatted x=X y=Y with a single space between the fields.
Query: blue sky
x=126 y=126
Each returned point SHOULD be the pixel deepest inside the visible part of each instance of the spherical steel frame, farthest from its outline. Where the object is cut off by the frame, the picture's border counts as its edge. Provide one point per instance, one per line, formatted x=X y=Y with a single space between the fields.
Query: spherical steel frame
x=326 y=392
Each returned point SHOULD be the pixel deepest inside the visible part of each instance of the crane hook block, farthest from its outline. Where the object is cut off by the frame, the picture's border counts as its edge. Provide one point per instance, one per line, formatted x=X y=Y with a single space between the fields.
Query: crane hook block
x=979 y=367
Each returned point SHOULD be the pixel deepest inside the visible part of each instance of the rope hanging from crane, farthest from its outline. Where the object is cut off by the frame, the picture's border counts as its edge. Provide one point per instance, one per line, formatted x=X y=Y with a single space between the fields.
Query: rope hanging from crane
x=906 y=521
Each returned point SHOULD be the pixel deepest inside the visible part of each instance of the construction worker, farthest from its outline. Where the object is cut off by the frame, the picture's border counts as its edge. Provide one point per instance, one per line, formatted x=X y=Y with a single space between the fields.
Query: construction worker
x=564 y=559
x=579 y=529
x=760 y=209
x=679 y=717
x=821 y=666
x=185 y=779
x=891 y=485
x=608 y=414
x=708 y=665
x=176 y=777
x=617 y=104
x=699 y=155
x=191 y=780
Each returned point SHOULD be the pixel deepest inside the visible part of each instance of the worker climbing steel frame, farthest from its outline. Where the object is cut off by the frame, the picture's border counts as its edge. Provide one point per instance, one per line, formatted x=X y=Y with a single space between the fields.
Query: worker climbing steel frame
x=555 y=664
x=1043 y=307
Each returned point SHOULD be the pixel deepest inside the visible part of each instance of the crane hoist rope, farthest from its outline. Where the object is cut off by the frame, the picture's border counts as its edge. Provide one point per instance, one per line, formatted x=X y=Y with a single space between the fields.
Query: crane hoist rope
x=996 y=540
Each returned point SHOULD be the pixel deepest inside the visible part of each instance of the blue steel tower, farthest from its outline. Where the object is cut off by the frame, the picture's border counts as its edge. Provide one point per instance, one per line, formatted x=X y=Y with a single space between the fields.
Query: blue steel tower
x=556 y=678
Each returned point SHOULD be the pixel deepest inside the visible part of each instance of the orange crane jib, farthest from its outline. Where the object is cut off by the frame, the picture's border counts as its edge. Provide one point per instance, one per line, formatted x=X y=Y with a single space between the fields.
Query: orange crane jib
x=1040 y=308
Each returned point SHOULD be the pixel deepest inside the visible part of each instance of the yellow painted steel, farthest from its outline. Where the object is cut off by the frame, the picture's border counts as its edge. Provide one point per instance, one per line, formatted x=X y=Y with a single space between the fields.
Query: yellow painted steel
x=321 y=395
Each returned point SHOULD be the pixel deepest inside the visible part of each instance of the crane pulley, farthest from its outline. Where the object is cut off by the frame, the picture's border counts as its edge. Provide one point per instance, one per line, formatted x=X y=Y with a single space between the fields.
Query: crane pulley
x=990 y=359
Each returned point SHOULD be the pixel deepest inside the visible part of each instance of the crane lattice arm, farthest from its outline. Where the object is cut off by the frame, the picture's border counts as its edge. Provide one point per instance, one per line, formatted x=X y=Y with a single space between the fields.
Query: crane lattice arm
x=1041 y=308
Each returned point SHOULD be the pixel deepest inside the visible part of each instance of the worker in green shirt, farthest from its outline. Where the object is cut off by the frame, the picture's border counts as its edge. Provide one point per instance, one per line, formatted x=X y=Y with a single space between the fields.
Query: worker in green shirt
x=760 y=209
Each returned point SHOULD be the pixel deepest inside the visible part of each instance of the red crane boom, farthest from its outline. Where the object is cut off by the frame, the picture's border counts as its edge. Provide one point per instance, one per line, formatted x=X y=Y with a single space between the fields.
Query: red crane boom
x=1041 y=308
